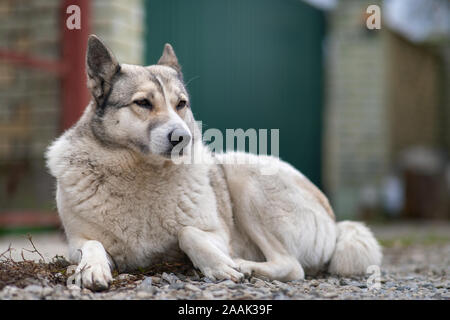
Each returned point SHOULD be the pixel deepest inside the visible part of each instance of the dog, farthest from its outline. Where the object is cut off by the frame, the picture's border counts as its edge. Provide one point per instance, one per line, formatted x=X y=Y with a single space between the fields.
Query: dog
x=125 y=203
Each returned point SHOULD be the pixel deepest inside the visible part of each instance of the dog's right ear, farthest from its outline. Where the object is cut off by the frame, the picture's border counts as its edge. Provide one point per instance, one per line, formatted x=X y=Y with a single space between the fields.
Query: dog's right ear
x=101 y=66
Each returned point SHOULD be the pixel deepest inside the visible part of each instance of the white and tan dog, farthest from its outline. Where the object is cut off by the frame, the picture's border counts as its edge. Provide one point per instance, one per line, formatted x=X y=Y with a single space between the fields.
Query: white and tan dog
x=125 y=204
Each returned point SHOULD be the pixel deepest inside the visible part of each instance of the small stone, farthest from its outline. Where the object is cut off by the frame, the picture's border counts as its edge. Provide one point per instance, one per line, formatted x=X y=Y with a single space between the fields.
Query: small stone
x=46 y=291
x=177 y=285
x=333 y=281
x=156 y=279
x=75 y=294
x=219 y=293
x=34 y=289
x=247 y=296
x=170 y=278
x=314 y=283
x=325 y=286
x=259 y=283
x=279 y=296
x=180 y=276
x=389 y=284
x=86 y=291
x=329 y=295
x=207 y=280
x=125 y=276
x=73 y=287
x=119 y=296
x=358 y=284
x=143 y=294
x=207 y=295
x=263 y=278
x=354 y=288
x=191 y=287
x=237 y=286
x=228 y=283
x=146 y=285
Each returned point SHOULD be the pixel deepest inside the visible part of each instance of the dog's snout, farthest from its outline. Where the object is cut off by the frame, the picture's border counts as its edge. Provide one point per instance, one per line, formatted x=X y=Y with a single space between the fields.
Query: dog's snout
x=173 y=139
x=179 y=135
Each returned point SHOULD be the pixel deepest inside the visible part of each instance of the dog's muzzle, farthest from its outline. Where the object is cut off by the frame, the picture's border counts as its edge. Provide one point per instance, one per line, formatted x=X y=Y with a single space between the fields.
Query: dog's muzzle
x=179 y=136
x=179 y=139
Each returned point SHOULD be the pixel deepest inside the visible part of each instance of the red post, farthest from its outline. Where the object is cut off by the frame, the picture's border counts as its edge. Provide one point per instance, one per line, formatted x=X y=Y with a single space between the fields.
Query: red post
x=75 y=95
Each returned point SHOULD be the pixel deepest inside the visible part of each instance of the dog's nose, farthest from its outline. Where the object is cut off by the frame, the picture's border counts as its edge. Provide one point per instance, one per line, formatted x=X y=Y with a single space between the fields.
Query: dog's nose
x=179 y=135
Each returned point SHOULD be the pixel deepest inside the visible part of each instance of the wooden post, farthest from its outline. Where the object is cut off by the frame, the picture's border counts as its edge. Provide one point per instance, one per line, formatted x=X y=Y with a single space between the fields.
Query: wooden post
x=75 y=95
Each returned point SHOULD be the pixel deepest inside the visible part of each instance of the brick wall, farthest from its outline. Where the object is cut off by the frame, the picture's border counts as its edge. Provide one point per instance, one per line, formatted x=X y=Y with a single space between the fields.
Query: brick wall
x=384 y=95
x=30 y=98
x=356 y=128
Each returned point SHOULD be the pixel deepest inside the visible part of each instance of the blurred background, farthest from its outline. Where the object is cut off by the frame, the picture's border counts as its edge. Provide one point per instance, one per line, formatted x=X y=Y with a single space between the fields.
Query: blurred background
x=365 y=114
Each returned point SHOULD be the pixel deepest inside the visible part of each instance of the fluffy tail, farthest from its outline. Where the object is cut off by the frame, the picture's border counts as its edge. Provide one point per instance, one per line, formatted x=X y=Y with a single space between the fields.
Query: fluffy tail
x=356 y=249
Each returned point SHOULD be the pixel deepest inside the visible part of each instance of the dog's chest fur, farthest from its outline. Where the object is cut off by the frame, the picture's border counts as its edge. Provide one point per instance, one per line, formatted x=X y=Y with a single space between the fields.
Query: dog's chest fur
x=133 y=208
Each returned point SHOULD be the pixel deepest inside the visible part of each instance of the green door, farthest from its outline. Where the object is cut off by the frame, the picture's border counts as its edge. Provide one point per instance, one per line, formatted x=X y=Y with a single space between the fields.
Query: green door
x=249 y=64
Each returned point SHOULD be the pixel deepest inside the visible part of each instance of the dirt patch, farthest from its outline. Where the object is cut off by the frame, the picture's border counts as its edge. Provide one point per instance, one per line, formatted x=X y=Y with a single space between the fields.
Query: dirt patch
x=22 y=273
x=28 y=272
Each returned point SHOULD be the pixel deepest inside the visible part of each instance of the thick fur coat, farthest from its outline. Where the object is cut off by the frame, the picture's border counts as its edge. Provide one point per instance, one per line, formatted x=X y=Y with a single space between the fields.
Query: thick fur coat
x=125 y=203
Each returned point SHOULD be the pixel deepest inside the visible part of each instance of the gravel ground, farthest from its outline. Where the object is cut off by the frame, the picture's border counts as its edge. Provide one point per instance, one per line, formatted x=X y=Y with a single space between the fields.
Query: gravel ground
x=416 y=266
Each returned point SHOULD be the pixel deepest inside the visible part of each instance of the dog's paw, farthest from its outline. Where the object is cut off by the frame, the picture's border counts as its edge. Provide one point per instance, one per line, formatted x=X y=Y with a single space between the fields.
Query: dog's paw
x=223 y=272
x=287 y=270
x=245 y=267
x=96 y=277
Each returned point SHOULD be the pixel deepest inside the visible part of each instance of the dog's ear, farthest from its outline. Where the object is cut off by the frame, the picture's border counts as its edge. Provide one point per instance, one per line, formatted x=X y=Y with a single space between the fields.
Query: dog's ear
x=101 y=66
x=169 y=58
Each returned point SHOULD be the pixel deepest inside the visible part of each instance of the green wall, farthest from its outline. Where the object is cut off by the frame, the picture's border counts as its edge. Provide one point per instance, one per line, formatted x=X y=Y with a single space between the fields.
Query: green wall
x=249 y=64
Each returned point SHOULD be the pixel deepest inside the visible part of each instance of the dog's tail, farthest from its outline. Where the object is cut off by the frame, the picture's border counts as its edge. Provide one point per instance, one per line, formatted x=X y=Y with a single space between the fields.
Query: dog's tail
x=356 y=249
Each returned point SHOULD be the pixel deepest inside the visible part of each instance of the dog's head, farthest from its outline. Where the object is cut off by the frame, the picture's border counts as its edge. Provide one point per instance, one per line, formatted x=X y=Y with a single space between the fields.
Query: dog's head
x=143 y=108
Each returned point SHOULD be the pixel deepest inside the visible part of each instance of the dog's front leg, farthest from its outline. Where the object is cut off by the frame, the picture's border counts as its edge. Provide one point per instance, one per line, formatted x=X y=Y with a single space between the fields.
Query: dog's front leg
x=94 y=268
x=208 y=251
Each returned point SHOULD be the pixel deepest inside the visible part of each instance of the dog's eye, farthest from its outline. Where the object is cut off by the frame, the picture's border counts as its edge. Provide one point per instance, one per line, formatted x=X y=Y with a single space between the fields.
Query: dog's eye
x=181 y=104
x=144 y=103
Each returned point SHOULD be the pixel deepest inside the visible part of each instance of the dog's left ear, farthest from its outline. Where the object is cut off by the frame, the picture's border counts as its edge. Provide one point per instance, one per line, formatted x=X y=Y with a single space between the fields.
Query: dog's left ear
x=169 y=58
